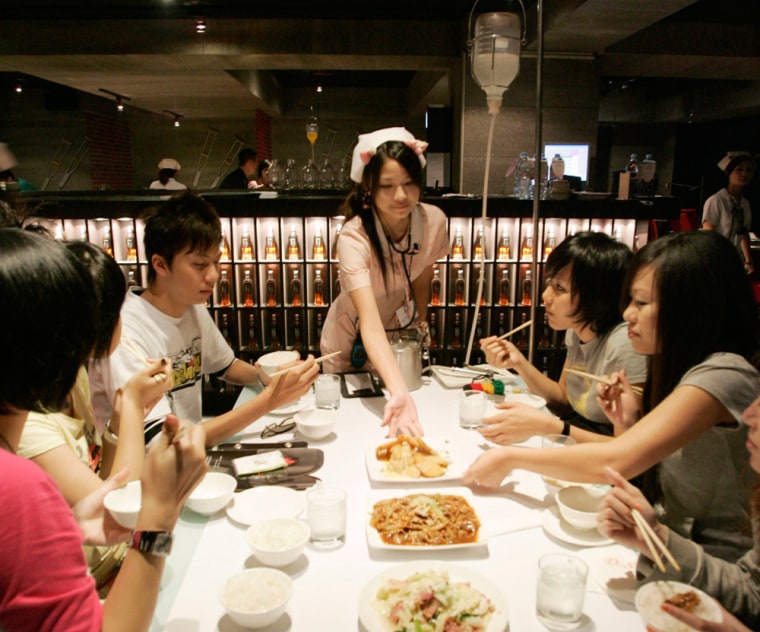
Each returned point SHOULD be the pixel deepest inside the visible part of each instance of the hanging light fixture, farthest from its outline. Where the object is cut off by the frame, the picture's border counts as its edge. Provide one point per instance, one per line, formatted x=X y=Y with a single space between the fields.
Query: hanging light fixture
x=200 y=26
x=177 y=117
x=19 y=88
x=120 y=99
x=495 y=53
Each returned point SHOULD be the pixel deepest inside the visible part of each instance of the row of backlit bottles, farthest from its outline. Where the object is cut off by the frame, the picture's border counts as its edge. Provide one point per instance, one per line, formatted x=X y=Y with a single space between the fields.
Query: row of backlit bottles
x=501 y=296
x=271 y=330
x=271 y=249
x=295 y=294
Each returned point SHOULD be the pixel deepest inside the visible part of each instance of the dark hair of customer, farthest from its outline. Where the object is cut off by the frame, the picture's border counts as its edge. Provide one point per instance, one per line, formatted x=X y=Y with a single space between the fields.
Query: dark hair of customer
x=705 y=306
x=50 y=331
x=361 y=200
x=110 y=290
x=245 y=155
x=184 y=223
x=164 y=175
x=599 y=264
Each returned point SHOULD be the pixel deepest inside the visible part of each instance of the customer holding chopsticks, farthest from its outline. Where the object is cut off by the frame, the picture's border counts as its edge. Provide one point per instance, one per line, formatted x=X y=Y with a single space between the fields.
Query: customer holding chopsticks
x=584 y=278
x=736 y=586
x=691 y=310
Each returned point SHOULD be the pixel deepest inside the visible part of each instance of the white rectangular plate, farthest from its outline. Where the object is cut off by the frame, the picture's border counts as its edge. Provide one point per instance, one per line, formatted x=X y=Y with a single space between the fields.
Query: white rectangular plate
x=376 y=542
x=444 y=447
x=454 y=377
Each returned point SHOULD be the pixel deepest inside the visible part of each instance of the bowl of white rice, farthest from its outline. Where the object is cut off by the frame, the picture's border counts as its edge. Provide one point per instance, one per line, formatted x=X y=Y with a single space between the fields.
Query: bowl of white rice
x=257 y=597
x=279 y=541
x=651 y=596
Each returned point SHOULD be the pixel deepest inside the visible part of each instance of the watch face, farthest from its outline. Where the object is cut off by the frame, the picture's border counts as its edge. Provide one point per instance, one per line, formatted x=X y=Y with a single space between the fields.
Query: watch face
x=163 y=544
x=153 y=542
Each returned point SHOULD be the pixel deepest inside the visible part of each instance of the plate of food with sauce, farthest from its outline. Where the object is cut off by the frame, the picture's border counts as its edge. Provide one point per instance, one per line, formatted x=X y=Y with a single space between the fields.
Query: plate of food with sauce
x=424 y=520
x=414 y=460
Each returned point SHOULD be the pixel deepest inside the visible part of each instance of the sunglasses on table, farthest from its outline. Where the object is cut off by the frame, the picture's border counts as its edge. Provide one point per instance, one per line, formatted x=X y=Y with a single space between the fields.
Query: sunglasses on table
x=272 y=430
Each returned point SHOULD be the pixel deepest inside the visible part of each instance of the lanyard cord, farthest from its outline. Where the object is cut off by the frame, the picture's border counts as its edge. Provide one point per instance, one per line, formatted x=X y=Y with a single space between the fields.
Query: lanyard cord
x=410 y=250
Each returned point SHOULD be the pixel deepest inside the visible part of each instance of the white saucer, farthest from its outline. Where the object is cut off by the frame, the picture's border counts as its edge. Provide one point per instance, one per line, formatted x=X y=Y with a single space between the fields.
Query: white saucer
x=555 y=526
x=294 y=407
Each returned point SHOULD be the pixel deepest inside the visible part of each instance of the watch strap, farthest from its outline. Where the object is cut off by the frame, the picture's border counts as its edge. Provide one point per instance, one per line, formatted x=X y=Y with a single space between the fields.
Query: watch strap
x=152 y=542
x=565 y=429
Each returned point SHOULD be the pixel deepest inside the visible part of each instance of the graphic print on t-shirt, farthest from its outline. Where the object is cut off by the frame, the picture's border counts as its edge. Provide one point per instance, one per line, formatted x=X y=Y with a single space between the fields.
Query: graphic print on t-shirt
x=186 y=366
x=579 y=403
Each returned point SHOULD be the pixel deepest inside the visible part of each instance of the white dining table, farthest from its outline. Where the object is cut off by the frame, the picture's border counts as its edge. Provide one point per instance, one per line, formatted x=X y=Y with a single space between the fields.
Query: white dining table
x=328 y=583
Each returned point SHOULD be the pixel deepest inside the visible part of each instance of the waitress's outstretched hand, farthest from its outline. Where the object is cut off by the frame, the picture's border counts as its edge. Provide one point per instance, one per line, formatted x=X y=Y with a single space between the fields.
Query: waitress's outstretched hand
x=400 y=415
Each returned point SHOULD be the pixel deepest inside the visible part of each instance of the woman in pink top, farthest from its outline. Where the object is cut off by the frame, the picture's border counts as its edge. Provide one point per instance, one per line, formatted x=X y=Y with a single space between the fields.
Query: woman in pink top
x=386 y=251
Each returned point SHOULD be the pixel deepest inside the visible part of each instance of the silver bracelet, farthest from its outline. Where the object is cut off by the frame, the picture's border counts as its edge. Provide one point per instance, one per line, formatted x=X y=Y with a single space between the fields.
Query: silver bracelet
x=109 y=435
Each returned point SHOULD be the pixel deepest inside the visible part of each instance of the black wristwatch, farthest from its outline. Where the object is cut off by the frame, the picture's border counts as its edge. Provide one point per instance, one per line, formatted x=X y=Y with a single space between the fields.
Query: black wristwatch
x=152 y=542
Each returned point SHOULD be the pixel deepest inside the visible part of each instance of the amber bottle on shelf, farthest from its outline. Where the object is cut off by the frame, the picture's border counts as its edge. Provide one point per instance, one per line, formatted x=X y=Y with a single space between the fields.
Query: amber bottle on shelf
x=474 y=290
x=271 y=250
x=504 y=288
x=318 y=247
x=224 y=327
x=131 y=280
x=274 y=332
x=294 y=248
x=435 y=288
x=505 y=250
x=246 y=246
x=459 y=288
x=526 y=249
x=253 y=343
x=527 y=288
x=247 y=289
x=297 y=338
x=456 y=332
x=224 y=248
x=479 y=245
x=501 y=327
x=457 y=246
x=295 y=289
x=107 y=243
x=131 y=245
x=549 y=242
x=546 y=333
x=318 y=322
x=319 y=288
x=271 y=289
x=433 y=328
x=224 y=290
x=334 y=248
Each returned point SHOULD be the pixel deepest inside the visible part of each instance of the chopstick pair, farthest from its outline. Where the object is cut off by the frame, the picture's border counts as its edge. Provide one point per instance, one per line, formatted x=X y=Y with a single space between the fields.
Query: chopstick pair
x=132 y=348
x=515 y=330
x=653 y=542
x=603 y=379
x=317 y=360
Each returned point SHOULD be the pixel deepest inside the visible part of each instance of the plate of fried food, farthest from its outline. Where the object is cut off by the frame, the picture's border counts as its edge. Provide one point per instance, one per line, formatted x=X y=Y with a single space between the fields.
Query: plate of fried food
x=409 y=459
x=433 y=519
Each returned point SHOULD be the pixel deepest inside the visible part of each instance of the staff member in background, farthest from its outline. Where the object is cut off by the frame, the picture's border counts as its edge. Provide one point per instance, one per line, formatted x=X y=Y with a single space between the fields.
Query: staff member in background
x=728 y=212
x=167 y=169
x=248 y=164
x=7 y=163
x=386 y=250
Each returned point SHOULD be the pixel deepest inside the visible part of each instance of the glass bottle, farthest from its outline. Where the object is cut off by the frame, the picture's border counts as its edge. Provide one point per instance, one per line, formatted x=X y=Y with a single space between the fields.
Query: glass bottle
x=247 y=286
x=546 y=333
x=294 y=248
x=479 y=245
x=456 y=332
x=326 y=175
x=224 y=290
x=474 y=291
x=504 y=288
x=526 y=250
x=459 y=288
x=107 y=243
x=501 y=327
x=334 y=249
x=271 y=289
x=131 y=245
x=253 y=343
x=309 y=175
x=336 y=285
x=523 y=176
x=295 y=289
x=549 y=242
x=318 y=322
x=319 y=288
x=297 y=342
x=224 y=248
x=521 y=339
x=433 y=328
x=545 y=365
x=274 y=332
x=527 y=288
x=504 y=247
x=318 y=248
x=457 y=247
x=290 y=175
x=224 y=327
x=246 y=246
x=271 y=250
x=275 y=174
x=131 y=280
x=435 y=288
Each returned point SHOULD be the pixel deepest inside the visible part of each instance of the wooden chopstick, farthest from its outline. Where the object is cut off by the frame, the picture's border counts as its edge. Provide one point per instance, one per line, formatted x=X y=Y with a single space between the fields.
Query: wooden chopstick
x=317 y=360
x=515 y=330
x=652 y=539
x=132 y=347
x=603 y=379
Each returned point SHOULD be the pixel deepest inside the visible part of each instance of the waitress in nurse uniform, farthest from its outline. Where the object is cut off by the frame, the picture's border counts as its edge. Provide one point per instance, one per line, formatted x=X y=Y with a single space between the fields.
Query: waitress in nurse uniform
x=387 y=248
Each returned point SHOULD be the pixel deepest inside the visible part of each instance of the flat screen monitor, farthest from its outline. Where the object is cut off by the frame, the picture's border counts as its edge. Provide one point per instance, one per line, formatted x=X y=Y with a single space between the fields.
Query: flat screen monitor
x=574 y=155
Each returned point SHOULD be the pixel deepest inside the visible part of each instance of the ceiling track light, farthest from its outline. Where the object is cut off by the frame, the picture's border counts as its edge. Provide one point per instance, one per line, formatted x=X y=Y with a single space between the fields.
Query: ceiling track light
x=177 y=117
x=19 y=88
x=200 y=26
x=120 y=99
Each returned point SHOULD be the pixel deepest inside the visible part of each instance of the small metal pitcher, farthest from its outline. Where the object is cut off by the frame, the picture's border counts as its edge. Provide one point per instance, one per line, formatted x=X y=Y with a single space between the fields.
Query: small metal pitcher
x=408 y=353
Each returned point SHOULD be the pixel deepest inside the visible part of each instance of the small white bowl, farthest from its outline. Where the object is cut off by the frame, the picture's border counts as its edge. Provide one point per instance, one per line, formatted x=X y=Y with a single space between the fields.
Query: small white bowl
x=212 y=494
x=257 y=597
x=124 y=504
x=579 y=506
x=271 y=362
x=316 y=423
x=279 y=541
x=650 y=597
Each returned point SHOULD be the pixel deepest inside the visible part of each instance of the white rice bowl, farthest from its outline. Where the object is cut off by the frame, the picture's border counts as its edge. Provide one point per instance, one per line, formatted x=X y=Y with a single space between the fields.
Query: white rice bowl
x=650 y=597
x=279 y=541
x=257 y=597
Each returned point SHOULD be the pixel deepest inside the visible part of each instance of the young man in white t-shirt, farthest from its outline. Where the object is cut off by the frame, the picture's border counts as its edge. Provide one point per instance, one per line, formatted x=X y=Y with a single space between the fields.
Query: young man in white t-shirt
x=170 y=319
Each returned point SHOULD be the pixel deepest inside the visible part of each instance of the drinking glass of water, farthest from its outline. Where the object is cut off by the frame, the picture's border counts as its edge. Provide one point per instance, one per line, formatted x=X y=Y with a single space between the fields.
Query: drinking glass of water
x=560 y=591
